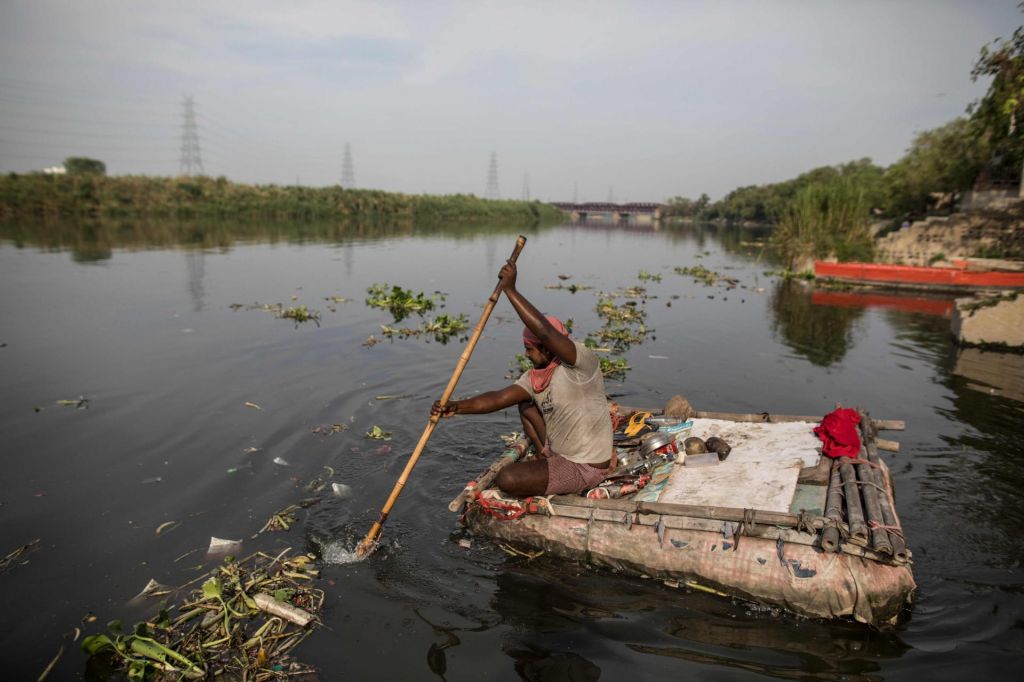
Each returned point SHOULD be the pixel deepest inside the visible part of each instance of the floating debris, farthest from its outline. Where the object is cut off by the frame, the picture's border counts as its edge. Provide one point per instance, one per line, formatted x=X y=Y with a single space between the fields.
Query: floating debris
x=81 y=403
x=281 y=520
x=244 y=467
x=371 y=341
x=377 y=433
x=329 y=430
x=298 y=314
x=15 y=555
x=394 y=397
x=280 y=461
x=708 y=277
x=220 y=547
x=152 y=589
x=241 y=624
x=383 y=450
x=571 y=288
x=153 y=479
x=166 y=527
x=253 y=405
x=341 y=490
x=250 y=450
x=509 y=549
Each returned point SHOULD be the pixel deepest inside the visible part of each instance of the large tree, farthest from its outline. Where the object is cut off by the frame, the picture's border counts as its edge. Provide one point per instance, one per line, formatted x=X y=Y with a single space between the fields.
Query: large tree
x=945 y=159
x=1000 y=113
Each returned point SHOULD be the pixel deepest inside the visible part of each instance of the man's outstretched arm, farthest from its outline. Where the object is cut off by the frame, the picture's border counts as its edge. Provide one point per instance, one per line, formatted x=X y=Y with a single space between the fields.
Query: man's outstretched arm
x=491 y=401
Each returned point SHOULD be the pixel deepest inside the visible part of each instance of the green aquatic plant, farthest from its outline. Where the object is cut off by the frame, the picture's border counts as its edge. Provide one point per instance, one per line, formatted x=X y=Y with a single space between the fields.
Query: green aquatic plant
x=645 y=276
x=301 y=314
x=401 y=302
x=614 y=368
x=241 y=624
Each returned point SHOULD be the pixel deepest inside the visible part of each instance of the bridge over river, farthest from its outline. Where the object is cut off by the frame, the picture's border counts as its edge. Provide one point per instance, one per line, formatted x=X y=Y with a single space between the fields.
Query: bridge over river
x=602 y=211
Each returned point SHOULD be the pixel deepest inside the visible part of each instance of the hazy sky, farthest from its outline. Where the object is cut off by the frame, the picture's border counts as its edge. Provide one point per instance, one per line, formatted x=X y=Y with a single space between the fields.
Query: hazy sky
x=651 y=99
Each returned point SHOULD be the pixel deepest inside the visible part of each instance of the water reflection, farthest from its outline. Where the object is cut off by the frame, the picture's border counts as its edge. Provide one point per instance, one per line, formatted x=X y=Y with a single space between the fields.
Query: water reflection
x=652 y=620
x=195 y=263
x=94 y=240
x=822 y=334
x=998 y=374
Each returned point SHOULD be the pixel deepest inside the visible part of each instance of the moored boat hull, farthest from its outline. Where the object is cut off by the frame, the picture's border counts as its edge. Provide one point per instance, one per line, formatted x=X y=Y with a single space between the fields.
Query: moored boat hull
x=913 y=276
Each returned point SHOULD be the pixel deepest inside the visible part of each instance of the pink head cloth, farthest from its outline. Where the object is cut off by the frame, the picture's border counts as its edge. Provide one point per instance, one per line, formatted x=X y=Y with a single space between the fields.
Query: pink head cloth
x=540 y=379
x=531 y=339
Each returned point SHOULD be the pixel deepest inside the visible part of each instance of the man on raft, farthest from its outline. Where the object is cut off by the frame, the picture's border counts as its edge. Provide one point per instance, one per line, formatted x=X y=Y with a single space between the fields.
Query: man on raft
x=561 y=403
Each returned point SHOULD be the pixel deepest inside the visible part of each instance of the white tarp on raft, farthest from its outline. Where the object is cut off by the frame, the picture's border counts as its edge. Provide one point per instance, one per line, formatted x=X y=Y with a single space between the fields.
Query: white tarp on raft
x=760 y=473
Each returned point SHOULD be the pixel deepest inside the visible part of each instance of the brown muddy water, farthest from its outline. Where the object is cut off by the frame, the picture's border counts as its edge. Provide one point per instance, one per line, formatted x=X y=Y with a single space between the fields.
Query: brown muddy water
x=141 y=322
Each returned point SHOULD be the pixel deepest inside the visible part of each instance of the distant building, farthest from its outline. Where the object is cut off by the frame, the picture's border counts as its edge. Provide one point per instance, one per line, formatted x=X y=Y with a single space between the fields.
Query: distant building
x=55 y=170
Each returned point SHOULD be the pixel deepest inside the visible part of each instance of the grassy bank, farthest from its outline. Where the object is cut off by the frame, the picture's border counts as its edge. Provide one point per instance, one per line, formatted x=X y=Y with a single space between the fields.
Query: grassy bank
x=97 y=196
x=825 y=220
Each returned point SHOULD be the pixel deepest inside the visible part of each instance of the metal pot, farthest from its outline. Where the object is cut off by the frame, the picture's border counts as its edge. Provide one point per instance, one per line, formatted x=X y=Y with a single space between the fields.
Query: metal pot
x=656 y=441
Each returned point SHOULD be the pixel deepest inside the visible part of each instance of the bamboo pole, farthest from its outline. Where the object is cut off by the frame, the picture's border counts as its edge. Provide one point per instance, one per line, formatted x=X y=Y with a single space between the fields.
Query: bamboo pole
x=370 y=541
x=872 y=507
x=887 y=445
x=700 y=511
x=899 y=545
x=854 y=509
x=833 y=510
x=768 y=418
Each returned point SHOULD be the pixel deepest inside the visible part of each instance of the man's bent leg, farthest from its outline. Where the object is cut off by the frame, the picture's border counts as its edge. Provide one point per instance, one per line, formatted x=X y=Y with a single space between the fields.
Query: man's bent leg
x=523 y=479
x=533 y=424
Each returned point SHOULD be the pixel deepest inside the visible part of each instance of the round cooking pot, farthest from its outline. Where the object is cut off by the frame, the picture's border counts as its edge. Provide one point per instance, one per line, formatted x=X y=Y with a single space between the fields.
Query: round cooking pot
x=656 y=441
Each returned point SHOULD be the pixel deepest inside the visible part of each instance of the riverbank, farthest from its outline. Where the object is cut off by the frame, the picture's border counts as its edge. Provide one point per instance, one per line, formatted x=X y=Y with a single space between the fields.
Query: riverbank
x=96 y=196
x=987 y=233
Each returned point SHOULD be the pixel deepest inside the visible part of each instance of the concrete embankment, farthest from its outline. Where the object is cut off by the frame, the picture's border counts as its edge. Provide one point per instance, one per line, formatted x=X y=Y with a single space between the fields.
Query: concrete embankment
x=991 y=232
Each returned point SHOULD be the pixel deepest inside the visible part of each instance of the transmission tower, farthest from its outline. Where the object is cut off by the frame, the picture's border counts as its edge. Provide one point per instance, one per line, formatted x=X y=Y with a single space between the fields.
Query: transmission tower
x=526 y=187
x=191 y=159
x=492 y=191
x=348 y=170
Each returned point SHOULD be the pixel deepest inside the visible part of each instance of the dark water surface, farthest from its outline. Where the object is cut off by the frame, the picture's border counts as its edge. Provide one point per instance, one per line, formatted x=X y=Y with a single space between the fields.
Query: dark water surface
x=143 y=327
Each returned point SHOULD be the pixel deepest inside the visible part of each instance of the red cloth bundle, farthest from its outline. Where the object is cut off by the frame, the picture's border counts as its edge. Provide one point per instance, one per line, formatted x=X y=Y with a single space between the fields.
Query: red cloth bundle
x=838 y=432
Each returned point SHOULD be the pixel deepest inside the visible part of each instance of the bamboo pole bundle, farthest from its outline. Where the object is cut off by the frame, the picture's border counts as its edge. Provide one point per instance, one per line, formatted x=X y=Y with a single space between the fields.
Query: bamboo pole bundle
x=833 y=510
x=854 y=509
x=899 y=545
x=872 y=508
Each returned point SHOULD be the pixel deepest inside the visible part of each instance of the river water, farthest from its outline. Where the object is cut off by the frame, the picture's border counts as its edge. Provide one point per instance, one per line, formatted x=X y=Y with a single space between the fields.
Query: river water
x=158 y=328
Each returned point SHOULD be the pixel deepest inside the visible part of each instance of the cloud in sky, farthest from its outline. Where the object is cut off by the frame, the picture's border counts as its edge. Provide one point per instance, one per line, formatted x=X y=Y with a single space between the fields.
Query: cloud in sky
x=652 y=99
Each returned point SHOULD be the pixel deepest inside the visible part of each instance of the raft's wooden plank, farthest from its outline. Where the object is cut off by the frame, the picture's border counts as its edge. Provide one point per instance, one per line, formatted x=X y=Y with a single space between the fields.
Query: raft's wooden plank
x=809 y=498
x=816 y=475
x=767 y=417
